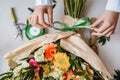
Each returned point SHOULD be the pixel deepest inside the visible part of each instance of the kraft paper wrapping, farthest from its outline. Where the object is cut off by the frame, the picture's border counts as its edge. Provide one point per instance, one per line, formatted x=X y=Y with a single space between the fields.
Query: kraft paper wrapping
x=69 y=41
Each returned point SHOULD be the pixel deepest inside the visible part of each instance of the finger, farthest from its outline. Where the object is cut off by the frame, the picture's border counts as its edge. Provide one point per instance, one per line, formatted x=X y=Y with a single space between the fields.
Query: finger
x=110 y=29
x=41 y=20
x=97 y=22
x=109 y=34
x=50 y=15
x=35 y=20
x=102 y=34
x=39 y=26
x=95 y=29
x=30 y=19
x=102 y=28
x=96 y=34
x=113 y=31
x=114 y=28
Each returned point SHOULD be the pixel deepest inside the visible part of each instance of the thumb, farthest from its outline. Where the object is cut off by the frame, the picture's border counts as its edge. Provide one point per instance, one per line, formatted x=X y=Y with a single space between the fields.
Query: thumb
x=50 y=15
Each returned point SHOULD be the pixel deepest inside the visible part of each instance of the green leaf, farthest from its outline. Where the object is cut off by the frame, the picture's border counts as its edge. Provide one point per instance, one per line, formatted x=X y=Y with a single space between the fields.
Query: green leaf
x=81 y=73
x=73 y=67
x=29 y=68
x=41 y=73
x=71 y=61
x=26 y=76
x=6 y=76
x=108 y=38
x=32 y=75
x=49 y=68
x=103 y=39
x=117 y=74
x=87 y=78
x=51 y=78
x=27 y=58
x=97 y=74
x=45 y=78
x=72 y=56
x=59 y=49
x=54 y=3
x=42 y=62
x=7 y=73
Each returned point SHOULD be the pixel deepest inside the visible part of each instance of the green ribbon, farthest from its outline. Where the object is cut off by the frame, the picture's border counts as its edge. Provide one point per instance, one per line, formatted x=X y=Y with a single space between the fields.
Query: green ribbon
x=82 y=23
x=29 y=35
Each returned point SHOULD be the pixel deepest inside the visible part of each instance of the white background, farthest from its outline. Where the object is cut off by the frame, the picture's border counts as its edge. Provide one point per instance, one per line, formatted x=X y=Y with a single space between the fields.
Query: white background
x=110 y=53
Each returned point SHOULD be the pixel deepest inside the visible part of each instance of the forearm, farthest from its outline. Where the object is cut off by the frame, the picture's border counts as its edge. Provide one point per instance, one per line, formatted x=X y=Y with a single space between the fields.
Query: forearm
x=113 y=5
x=43 y=2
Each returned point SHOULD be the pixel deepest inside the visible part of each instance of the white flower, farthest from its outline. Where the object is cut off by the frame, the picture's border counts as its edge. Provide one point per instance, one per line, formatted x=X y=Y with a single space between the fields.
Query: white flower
x=24 y=64
x=83 y=66
x=17 y=70
x=39 y=55
x=57 y=73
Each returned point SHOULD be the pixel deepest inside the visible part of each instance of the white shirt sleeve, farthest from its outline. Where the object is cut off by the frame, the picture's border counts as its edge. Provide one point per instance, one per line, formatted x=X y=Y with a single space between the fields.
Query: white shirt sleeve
x=113 y=5
x=43 y=2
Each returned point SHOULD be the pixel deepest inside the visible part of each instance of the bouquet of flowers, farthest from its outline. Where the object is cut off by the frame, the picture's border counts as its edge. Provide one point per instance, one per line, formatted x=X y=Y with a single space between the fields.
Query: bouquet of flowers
x=59 y=56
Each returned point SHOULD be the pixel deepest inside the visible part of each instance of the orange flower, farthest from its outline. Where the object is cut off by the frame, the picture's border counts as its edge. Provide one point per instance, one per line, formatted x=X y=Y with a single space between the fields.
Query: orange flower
x=68 y=74
x=50 y=51
x=71 y=74
x=79 y=70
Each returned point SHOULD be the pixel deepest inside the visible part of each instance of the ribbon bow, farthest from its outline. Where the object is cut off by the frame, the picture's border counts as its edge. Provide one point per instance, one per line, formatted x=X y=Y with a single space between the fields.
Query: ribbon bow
x=82 y=23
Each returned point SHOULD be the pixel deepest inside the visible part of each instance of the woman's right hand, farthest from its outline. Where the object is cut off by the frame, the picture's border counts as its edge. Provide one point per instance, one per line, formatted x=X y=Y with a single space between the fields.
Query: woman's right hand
x=37 y=17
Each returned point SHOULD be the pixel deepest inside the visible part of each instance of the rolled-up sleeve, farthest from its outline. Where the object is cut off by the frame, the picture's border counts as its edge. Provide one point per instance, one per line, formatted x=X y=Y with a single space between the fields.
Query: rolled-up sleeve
x=43 y=2
x=113 y=5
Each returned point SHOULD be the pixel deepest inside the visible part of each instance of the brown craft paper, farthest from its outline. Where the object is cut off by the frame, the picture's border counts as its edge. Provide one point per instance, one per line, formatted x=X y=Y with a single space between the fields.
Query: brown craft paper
x=70 y=41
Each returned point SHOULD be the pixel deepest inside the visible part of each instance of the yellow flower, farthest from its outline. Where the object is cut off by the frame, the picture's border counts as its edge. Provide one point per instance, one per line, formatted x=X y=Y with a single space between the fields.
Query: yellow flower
x=61 y=60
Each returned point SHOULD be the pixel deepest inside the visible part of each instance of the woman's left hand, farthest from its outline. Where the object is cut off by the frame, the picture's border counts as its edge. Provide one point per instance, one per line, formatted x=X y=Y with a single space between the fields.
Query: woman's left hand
x=108 y=23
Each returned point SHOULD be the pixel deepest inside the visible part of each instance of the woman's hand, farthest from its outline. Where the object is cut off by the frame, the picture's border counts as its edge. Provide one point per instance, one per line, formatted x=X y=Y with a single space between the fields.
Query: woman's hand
x=37 y=17
x=108 y=23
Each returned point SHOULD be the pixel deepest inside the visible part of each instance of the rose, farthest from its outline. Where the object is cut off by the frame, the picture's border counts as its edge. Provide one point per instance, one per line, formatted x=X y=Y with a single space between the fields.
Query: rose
x=32 y=62
x=50 y=51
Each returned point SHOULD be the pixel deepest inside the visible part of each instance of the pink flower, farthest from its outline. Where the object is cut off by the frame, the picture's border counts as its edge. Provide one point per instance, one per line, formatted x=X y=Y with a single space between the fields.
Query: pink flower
x=32 y=62
x=37 y=69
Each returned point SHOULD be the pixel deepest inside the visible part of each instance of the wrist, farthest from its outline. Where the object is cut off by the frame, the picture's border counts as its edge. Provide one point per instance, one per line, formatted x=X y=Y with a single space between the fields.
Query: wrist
x=43 y=2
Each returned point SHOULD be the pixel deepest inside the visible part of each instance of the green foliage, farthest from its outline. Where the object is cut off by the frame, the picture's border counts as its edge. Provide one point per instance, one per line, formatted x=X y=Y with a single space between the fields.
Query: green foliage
x=41 y=73
x=117 y=75
x=26 y=73
x=49 y=78
x=6 y=76
x=54 y=3
x=103 y=39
